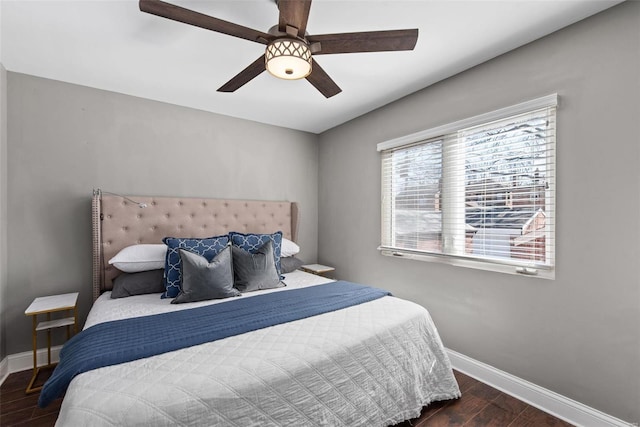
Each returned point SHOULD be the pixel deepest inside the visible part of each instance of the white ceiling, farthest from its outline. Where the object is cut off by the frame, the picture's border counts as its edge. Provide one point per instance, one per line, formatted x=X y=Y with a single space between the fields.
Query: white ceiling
x=111 y=45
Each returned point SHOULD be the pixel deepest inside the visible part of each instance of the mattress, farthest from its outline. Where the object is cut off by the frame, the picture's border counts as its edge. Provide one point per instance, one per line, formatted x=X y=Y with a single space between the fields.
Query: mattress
x=374 y=364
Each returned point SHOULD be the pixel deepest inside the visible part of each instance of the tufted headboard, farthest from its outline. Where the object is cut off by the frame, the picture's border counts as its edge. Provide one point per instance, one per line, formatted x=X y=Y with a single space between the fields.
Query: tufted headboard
x=119 y=221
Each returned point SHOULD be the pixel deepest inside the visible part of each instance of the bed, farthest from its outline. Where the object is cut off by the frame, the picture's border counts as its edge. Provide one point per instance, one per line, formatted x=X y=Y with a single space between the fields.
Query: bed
x=377 y=363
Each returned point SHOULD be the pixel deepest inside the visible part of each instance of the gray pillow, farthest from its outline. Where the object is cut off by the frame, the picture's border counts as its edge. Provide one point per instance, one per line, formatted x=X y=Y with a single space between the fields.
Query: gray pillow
x=145 y=282
x=290 y=263
x=203 y=280
x=255 y=271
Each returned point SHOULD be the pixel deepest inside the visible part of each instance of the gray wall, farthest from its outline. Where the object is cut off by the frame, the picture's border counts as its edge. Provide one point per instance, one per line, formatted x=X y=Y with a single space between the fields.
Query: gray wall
x=3 y=209
x=64 y=140
x=580 y=334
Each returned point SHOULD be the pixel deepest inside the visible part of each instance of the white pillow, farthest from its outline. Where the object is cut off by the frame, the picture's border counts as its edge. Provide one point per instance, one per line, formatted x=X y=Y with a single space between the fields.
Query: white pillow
x=288 y=248
x=136 y=258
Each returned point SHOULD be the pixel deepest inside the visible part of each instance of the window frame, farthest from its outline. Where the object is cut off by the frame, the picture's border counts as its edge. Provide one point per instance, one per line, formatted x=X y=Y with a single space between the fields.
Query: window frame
x=441 y=132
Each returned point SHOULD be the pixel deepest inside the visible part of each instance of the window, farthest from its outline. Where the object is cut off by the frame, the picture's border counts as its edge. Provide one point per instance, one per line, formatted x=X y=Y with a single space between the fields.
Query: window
x=478 y=193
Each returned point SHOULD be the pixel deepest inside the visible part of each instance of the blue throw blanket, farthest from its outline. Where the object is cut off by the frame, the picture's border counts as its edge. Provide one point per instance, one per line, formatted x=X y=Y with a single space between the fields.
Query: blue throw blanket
x=121 y=341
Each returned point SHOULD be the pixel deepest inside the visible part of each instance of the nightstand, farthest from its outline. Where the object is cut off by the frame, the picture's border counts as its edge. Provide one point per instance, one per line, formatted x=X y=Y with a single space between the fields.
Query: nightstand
x=48 y=305
x=318 y=269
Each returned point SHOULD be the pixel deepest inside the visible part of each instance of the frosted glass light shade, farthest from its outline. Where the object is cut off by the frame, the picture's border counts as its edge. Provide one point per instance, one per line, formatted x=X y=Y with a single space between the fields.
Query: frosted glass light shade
x=288 y=59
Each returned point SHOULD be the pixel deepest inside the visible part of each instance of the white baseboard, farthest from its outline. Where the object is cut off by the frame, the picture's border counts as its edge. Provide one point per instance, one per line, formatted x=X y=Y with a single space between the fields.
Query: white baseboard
x=548 y=401
x=23 y=361
x=4 y=369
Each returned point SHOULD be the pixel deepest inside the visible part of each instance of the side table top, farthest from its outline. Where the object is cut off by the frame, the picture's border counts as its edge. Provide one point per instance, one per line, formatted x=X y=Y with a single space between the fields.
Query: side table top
x=52 y=303
x=317 y=268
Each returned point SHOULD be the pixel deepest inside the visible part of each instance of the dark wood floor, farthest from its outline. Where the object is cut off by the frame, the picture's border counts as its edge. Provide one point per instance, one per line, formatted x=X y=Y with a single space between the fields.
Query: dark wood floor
x=480 y=405
x=20 y=409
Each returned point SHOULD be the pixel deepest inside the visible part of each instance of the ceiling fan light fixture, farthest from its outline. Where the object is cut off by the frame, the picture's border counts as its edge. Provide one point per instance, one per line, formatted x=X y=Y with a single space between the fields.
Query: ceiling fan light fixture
x=288 y=59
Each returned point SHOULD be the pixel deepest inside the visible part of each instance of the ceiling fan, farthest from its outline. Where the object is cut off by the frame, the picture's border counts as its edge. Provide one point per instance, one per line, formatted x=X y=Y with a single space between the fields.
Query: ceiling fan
x=290 y=50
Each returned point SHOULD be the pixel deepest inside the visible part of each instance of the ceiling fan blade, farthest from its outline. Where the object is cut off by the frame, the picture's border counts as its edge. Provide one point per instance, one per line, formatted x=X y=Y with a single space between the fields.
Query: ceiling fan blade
x=294 y=13
x=321 y=81
x=180 y=14
x=244 y=76
x=369 y=41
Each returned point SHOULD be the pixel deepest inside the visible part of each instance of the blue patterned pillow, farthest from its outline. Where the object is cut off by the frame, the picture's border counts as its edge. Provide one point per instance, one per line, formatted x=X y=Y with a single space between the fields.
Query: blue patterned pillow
x=208 y=248
x=252 y=242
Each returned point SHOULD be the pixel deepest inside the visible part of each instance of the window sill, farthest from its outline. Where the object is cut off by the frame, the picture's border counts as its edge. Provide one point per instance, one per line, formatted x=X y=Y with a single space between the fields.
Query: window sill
x=520 y=270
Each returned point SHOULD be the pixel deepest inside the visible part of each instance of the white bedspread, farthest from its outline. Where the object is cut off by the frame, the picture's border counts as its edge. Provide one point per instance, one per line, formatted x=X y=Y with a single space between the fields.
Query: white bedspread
x=374 y=364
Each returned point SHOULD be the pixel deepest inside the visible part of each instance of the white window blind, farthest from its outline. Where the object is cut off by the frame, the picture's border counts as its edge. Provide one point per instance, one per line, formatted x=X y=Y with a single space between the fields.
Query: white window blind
x=480 y=195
